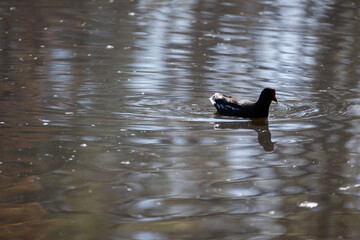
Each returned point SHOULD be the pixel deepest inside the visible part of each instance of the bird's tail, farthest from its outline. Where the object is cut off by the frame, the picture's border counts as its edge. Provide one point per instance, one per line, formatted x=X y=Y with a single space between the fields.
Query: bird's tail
x=212 y=99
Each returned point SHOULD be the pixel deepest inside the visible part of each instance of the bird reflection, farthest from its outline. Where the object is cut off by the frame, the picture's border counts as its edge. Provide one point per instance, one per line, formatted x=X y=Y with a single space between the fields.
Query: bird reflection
x=260 y=126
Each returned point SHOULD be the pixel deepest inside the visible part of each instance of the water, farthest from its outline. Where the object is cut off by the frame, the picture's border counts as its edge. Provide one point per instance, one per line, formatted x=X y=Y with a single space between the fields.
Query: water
x=107 y=131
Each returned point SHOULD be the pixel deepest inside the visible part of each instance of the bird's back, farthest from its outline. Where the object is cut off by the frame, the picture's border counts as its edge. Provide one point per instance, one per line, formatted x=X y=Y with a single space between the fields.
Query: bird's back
x=232 y=106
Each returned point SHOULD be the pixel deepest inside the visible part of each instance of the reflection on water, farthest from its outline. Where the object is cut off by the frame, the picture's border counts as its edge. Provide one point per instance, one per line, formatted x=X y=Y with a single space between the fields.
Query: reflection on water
x=106 y=130
x=260 y=126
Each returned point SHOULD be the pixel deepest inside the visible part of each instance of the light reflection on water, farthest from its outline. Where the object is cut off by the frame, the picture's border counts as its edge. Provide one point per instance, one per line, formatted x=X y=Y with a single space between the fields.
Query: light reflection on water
x=107 y=132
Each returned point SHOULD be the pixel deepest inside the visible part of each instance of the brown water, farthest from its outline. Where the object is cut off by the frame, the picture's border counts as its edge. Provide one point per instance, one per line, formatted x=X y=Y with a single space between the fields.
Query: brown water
x=106 y=130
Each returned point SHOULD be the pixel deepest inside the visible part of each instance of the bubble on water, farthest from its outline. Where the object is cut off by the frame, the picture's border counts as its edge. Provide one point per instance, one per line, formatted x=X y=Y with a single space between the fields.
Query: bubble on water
x=45 y=121
x=271 y=212
x=307 y=204
x=109 y=47
x=83 y=145
x=131 y=14
x=344 y=188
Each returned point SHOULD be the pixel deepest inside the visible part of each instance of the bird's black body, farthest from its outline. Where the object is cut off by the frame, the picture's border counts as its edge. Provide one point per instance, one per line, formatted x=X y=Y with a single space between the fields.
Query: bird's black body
x=231 y=106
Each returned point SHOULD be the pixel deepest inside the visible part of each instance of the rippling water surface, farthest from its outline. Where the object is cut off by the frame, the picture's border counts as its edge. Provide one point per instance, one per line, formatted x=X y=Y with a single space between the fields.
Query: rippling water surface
x=107 y=132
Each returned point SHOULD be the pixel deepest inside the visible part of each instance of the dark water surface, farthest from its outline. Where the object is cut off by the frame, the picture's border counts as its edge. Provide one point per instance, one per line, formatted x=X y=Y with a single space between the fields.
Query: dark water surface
x=106 y=130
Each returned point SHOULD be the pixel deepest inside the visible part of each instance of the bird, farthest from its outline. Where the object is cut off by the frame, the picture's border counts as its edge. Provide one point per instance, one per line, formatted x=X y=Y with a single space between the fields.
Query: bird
x=232 y=106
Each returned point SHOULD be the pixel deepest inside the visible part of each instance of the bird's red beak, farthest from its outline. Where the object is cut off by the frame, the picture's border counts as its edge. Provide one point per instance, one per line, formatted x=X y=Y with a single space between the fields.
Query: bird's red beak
x=273 y=96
